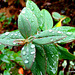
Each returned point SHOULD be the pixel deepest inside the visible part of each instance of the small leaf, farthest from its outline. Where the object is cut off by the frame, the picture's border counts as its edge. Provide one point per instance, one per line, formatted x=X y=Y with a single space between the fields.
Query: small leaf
x=28 y=54
x=39 y=66
x=6 y=72
x=52 y=59
x=66 y=20
x=56 y=15
x=35 y=9
x=59 y=24
x=64 y=53
x=27 y=23
x=47 y=20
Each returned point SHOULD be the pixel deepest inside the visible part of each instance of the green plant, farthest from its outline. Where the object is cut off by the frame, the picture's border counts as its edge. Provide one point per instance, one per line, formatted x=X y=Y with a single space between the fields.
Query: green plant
x=41 y=50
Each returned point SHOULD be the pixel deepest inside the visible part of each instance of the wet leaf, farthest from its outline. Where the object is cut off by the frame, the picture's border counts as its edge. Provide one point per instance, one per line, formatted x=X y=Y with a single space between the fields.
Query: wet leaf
x=47 y=20
x=35 y=9
x=64 y=53
x=28 y=54
x=39 y=66
x=27 y=23
x=52 y=59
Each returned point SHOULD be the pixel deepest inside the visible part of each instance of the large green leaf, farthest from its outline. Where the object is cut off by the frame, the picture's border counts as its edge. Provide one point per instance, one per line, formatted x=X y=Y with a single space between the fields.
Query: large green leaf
x=64 y=53
x=39 y=66
x=47 y=40
x=34 y=8
x=48 y=36
x=69 y=31
x=47 y=20
x=52 y=59
x=27 y=23
x=28 y=54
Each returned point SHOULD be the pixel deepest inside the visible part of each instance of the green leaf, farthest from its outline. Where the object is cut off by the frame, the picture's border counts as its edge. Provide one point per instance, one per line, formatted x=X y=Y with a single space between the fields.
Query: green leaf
x=64 y=53
x=27 y=23
x=52 y=59
x=47 y=40
x=39 y=66
x=9 y=42
x=66 y=20
x=69 y=31
x=61 y=73
x=28 y=54
x=56 y=15
x=6 y=72
x=1 y=47
x=35 y=9
x=4 y=58
x=47 y=20
x=11 y=35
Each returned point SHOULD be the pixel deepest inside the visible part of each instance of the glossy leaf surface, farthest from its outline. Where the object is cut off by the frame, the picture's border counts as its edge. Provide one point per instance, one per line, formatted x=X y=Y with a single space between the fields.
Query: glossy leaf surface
x=47 y=20
x=27 y=23
x=64 y=53
x=52 y=59
x=39 y=66
x=35 y=9
x=28 y=54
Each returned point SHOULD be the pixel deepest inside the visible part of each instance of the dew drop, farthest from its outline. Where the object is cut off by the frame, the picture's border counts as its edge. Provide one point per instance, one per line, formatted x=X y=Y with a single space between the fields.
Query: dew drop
x=26 y=61
x=50 y=30
x=32 y=46
x=6 y=33
x=32 y=20
x=51 y=39
x=15 y=34
x=23 y=48
x=69 y=33
x=23 y=12
x=11 y=34
x=23 y=52
x=32 y=52
x=41 y=15
x=59 y=32
x=14 y=43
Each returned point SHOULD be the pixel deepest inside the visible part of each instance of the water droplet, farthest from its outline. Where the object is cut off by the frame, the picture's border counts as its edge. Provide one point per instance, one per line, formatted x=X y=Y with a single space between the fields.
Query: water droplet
x=23 y=52
x=32 y=46
x=59 y=32
x=59 y=41
x=11 y=34
x=23 y=48
x=69 y=33
x=23 y=12
x=26 y=61
x=51 y=39
x=15 y=34
x=14 y=43
x=6 y=33
x=32 y=52
x=50 y=30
